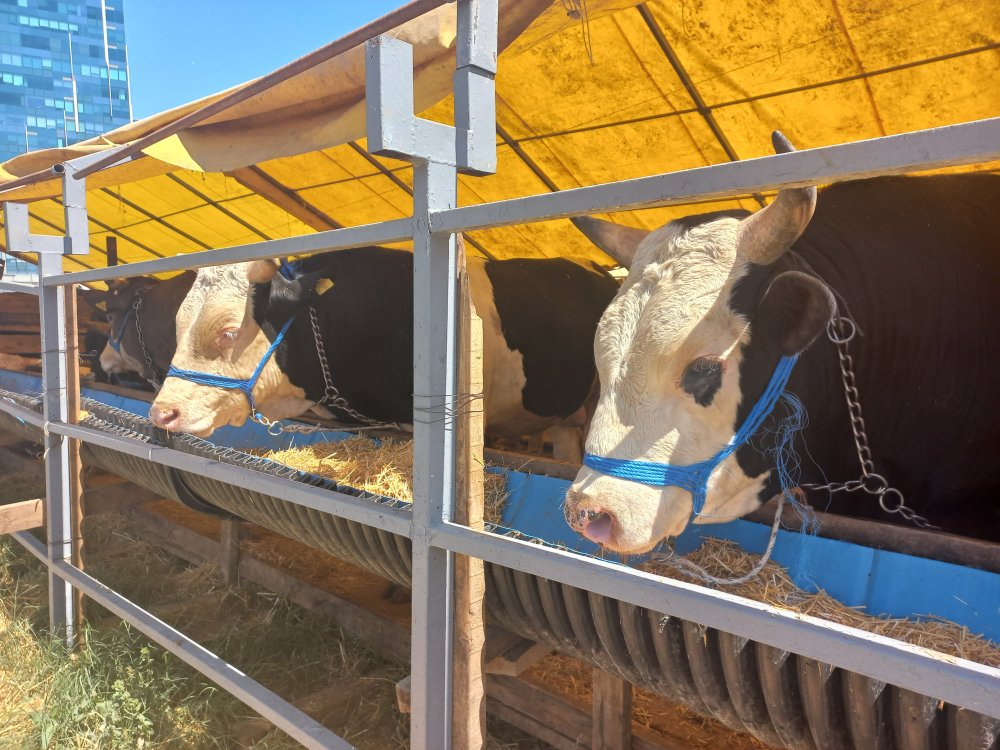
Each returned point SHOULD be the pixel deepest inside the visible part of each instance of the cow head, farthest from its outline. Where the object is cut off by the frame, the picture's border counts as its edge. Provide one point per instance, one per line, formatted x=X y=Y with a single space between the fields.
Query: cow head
x=224 y=327
x=668 y=352
x=118 y=301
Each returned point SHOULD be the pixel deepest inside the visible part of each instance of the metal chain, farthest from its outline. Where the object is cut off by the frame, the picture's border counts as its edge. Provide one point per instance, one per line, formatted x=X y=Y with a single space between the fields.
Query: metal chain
x=150 y=367
x=331 y=396
x=841 y=330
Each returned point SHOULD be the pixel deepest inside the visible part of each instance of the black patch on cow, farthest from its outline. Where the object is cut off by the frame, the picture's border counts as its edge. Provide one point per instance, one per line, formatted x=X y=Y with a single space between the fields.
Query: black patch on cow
x=913 y=260
x=702 y=379
x=687 y=223
x=549 y=310
x=366 y=321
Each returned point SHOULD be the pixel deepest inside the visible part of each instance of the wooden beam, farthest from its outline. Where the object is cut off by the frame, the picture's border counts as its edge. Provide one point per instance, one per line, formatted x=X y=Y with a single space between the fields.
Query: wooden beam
x=115 y=498
x=230 y=531
x=556 y=720
x=612 y=712
x=260 y=182
x=75 y=463
x=404 y=689
x=518 y=658
x=468 y=726
x=21 y=516
x=385 y=636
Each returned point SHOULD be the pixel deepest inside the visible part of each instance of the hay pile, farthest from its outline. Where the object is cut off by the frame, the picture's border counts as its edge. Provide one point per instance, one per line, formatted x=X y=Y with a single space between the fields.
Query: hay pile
x=382 y=469
x=774 y=586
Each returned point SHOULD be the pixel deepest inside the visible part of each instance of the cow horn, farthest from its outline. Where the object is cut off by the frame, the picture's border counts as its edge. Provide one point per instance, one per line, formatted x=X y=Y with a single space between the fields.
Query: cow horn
x=765 y=235
x=617 y=240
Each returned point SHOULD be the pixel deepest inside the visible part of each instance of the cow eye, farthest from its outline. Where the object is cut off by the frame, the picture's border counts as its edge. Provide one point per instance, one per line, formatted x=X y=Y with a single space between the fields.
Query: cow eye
x=702 y=379
x=227 y=336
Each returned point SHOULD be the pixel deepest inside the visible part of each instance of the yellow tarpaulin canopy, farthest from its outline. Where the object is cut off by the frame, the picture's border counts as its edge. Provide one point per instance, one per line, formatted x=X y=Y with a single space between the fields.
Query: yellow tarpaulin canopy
x=586 y=93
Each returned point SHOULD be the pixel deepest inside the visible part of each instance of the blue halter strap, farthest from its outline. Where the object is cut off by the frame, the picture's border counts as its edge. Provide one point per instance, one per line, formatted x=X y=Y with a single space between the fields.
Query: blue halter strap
x=219 y=381
x=694 y=477
x=115 y=342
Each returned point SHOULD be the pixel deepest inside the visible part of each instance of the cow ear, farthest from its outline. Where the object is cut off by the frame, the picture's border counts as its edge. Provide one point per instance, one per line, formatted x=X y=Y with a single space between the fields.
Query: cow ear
x=262 y=271
x=794 y=310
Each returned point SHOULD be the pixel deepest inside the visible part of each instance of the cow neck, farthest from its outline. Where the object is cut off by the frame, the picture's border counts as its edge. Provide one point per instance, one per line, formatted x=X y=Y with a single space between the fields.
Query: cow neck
x=694 y=477
x=244 y=385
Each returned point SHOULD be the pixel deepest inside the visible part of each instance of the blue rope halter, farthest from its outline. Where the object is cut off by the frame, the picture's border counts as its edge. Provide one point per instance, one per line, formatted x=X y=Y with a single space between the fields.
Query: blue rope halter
x=115 y=342
x=219 y=381
x=694 y=477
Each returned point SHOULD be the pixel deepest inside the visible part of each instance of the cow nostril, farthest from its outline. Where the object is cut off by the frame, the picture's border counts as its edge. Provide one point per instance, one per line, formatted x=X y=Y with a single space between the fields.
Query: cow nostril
x=598 y=525
x=164 y=416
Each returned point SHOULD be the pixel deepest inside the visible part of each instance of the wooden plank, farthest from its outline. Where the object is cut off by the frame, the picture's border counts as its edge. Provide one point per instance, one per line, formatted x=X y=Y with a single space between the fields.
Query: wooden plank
x=75 y=463
x=257 y=180
x=21 y=516
x=230 y=531
x=469 y=696
x=518 y=658
x=612 y=711
x=20 y=343
x=385 y=636
x=114 y=498
x=404 y=689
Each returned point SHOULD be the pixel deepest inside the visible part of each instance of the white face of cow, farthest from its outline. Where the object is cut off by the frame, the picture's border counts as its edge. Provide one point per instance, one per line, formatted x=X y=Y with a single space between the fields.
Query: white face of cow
x=668 y=352
x=217 y=334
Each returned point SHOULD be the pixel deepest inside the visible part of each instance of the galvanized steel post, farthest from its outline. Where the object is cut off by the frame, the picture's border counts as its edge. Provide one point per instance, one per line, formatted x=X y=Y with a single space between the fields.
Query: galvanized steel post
x=55 y=385
x=437 y=152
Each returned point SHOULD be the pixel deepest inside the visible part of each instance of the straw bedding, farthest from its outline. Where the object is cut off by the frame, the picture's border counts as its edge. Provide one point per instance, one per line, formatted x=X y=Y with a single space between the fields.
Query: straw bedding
x=386 y=469
x=774 y=586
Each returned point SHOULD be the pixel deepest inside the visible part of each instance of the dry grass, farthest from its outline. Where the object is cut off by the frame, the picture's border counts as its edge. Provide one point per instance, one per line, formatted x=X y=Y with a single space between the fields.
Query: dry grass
x=774 y=586
x=384 y=468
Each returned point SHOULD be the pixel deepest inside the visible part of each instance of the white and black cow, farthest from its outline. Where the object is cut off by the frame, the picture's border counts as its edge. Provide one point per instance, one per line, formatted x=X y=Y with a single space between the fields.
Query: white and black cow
x=539 y=318
x=712 y=304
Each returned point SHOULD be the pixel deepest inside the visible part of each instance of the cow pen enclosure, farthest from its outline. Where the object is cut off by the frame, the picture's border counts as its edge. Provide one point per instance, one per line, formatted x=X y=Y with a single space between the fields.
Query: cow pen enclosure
x=790 y=679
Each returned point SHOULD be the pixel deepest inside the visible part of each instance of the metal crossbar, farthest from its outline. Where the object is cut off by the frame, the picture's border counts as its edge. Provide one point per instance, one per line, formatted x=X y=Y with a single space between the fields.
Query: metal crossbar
x=270 y=705
x=438 y=153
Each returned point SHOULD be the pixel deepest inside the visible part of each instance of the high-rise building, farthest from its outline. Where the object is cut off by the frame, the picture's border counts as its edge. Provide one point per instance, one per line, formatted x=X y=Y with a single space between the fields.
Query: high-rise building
x=63 y=72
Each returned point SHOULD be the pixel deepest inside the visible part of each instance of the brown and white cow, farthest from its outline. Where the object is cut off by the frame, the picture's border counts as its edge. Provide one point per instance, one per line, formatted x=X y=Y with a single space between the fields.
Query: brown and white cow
x=539 y=318
x=713 y=302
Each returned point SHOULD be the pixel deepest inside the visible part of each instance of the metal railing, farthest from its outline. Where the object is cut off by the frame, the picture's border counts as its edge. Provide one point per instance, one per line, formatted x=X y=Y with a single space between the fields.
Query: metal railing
x=438 y=153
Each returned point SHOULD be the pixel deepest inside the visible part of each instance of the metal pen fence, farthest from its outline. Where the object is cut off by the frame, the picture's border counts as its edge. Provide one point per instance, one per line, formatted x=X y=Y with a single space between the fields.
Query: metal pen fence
x=438 y=152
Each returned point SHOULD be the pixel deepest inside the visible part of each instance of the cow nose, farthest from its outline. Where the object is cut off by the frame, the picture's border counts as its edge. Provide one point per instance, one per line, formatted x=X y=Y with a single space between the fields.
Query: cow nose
x=165 y=417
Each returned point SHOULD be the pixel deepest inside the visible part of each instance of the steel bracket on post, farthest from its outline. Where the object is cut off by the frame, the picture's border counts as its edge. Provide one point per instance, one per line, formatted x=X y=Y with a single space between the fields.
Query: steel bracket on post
x=76 y=239
x=60 y=472
x=393 y=128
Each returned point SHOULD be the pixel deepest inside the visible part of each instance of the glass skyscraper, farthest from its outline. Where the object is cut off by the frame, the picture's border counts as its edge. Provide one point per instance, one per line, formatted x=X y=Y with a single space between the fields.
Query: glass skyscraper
x=63 y=72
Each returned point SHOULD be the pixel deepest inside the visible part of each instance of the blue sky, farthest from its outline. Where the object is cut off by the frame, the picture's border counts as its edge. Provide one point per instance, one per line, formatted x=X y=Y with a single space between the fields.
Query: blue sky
x=180 y=50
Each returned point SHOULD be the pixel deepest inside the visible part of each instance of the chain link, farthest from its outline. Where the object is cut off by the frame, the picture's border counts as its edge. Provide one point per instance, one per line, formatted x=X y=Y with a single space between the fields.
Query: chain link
x=150 y=367
x=841 y=331
x=331 y=396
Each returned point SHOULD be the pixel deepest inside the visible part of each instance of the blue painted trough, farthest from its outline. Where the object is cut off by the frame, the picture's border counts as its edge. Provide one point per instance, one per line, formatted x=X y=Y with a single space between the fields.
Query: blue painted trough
x=784 y=699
